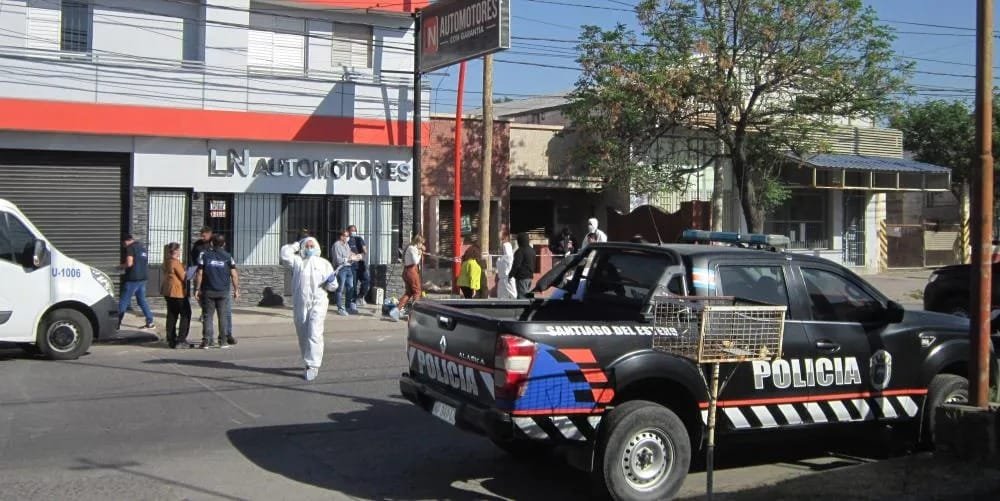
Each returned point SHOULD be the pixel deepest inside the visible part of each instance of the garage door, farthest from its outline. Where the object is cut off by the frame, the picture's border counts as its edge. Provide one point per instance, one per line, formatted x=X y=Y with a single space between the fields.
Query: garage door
x=75 y=199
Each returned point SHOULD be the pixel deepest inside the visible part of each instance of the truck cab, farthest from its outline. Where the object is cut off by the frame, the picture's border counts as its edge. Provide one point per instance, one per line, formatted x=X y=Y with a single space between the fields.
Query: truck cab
x=49 y=302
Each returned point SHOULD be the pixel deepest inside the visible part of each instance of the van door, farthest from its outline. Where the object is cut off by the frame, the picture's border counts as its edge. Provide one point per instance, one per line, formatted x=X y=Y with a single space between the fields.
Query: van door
x=26 y=290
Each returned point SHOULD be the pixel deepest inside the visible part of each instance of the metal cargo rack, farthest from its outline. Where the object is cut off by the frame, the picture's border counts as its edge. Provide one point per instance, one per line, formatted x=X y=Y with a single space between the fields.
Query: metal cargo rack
x=716 y=330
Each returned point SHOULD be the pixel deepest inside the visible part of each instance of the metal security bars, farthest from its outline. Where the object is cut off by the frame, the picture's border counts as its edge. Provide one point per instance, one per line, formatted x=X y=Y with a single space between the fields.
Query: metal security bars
x=76 y=25
x=168 y=219
x=257 y=229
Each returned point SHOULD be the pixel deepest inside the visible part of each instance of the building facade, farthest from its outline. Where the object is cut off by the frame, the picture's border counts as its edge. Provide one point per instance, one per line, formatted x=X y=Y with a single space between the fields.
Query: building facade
x=256 y=118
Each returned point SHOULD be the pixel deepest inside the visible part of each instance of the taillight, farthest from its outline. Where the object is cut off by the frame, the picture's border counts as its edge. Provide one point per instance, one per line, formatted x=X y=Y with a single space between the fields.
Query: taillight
x=512 y=363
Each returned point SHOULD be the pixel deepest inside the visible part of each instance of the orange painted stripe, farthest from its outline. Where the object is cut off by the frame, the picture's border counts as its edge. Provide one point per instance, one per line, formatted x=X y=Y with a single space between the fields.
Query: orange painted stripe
x=603 y=395
x=580 y=355
x=594 y=376
x=814 y=398
x=384 y=5
x=129 y=120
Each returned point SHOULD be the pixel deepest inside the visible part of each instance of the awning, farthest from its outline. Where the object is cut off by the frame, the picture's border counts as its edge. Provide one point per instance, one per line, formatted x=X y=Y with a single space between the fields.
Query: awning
x=864 y=172
x=557 y=182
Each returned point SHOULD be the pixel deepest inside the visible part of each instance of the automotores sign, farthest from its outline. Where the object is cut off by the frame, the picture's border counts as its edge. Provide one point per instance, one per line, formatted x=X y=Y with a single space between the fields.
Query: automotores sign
x=240 y=163
x=455 y=30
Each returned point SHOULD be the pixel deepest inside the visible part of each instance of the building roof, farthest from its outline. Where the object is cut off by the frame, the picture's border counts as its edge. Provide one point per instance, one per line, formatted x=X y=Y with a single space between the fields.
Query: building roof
x=870 y=163
x=520 y=106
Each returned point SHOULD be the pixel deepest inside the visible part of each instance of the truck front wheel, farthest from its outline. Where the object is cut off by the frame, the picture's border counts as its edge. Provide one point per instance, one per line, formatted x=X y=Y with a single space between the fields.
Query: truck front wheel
x=64 y=334
x=944 y=389
x=643 y=452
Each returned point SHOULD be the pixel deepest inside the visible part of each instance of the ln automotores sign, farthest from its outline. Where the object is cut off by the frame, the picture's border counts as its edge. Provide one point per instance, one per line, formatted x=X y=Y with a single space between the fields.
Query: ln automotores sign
x=455 y=30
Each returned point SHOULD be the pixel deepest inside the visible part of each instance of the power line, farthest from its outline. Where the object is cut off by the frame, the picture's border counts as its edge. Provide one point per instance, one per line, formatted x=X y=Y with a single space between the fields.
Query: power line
x=582 y=6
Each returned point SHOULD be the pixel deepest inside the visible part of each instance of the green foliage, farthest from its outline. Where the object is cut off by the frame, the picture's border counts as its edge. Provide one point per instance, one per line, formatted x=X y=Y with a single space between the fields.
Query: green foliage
x=728 y=71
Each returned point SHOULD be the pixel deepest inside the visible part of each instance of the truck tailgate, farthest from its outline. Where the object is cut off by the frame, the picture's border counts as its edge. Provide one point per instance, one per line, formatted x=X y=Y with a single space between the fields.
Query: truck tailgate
x=452 y=350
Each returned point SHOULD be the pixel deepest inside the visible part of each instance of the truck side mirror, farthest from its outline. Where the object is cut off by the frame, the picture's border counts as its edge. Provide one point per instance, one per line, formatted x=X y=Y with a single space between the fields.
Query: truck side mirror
x=39 y=254
x=894 y=312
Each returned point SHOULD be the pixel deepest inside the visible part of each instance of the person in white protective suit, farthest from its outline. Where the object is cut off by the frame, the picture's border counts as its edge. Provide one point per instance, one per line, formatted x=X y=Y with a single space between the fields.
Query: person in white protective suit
x=505 y=285
x=312 y=278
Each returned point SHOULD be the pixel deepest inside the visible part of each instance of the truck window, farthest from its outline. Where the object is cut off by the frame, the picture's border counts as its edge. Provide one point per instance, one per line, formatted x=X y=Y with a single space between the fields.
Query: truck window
x=625 y=277
x=836 y=299
x=765 y=284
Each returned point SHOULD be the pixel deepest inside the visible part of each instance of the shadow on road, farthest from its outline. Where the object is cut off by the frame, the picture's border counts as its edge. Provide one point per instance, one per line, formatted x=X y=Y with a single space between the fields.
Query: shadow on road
x=391 y=450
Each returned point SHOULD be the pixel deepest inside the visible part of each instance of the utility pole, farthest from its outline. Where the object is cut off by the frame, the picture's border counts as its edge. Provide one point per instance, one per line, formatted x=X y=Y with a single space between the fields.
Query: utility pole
x=456 y=265
x=982 y=210
x=487 y=188
x=418 y=216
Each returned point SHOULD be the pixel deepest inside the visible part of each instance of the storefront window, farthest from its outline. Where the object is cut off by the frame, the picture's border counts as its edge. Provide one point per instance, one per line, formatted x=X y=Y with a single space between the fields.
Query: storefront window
x=258 y=229
x=378 y=220
x=219 y=217
x=803 y=219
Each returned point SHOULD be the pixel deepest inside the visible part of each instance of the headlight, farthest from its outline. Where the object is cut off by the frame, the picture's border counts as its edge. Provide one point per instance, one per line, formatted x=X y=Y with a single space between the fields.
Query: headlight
x=104 y=280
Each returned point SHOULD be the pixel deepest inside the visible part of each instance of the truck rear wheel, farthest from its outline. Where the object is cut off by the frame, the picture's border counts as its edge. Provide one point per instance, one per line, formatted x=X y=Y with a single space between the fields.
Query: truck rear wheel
x=64 y=334
x=944 y=389
x=643 y=452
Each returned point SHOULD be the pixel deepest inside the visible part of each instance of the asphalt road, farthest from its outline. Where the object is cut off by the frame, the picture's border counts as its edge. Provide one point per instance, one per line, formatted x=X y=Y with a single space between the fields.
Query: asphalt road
x=139 y=421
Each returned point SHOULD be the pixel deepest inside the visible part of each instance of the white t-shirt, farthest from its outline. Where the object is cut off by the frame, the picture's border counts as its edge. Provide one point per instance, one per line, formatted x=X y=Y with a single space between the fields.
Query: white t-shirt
x=412 y=256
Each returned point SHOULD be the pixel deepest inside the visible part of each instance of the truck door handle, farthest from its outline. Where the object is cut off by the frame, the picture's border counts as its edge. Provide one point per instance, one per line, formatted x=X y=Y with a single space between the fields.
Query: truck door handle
x=446 y=323
x=827 y=345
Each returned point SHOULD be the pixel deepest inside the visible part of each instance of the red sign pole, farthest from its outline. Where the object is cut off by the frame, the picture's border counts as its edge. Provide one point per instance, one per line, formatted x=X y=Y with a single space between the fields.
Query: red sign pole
x=457 y=206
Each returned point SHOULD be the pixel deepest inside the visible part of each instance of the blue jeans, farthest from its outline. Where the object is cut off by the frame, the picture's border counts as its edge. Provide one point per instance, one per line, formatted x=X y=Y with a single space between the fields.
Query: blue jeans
x=363 y=280
x=345 y=292
x=135 y=288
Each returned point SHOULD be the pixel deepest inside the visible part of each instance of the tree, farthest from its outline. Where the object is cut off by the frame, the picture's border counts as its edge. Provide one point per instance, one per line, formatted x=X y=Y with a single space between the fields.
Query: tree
x=944 y=133
x=756 y=78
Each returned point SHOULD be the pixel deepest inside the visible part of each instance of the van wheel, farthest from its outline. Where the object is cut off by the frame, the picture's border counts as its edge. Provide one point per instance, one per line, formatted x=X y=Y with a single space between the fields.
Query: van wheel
x=944 y=389
x=643 y=452
x=64 y=334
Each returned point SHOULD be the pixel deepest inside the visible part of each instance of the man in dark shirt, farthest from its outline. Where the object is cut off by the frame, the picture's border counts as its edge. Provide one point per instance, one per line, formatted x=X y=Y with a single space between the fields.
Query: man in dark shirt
x=136 y=272
x=523 y=268
x=197 y=248
x=358 y=246
x=217 y=280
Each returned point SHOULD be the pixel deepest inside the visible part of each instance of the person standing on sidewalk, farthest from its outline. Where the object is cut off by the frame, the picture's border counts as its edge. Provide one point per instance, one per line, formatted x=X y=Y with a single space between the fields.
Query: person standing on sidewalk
x=312 y=276
x=361 y=276
x=174 y=291
x=506 y=288
x=412 y=258
x=469 y=277
x=194 y=256
x=523 y=268
x=136 y=268
x=344 y=260
x=217 y=280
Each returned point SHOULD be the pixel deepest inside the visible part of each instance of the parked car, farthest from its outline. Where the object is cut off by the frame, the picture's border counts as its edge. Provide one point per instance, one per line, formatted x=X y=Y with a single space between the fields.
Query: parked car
x=948 y=290
x=576 y=373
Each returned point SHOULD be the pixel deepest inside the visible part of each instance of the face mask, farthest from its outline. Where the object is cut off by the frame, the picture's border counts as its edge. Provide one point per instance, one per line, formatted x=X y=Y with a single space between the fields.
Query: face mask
x=591 y=228
x=312 y=252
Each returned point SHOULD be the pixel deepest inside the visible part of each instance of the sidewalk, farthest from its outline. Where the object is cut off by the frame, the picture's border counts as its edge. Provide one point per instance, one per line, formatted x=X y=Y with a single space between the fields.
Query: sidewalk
x=252 y=322
x=920 y=476
x=906 y=287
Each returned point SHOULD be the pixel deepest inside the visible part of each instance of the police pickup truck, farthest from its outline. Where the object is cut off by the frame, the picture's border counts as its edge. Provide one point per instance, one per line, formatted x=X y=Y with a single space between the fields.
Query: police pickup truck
x=576 y=370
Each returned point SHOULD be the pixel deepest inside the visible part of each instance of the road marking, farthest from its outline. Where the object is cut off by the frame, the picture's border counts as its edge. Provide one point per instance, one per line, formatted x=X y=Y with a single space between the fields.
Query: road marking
x=216 y=393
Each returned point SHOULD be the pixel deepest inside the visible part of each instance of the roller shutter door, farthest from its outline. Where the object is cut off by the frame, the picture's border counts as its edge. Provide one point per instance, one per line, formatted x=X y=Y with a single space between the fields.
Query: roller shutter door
x=77 y=205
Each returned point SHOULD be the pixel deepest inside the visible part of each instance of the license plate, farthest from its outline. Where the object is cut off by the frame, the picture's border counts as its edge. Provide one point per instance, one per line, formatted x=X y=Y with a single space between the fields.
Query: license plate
x=444 y=412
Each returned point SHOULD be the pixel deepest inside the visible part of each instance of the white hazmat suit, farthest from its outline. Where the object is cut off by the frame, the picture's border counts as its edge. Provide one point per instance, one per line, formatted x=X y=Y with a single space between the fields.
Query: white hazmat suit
x=310 y=276
x=505 y=286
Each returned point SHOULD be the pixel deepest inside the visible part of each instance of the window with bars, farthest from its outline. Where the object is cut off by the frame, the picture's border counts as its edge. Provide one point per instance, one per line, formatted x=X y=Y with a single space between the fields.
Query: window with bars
x=803 y=218
x=257 y=229
x=378 y=220
x=168 y=221
x=351 y=46
x=77 y=22
x=276 y=44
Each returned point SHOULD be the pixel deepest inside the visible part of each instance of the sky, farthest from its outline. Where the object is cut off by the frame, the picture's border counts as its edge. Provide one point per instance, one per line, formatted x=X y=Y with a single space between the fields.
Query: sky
x=937 y=35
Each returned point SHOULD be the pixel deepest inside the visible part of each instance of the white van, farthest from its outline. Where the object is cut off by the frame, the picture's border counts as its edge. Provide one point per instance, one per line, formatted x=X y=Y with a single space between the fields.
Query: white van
x=49 y=302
